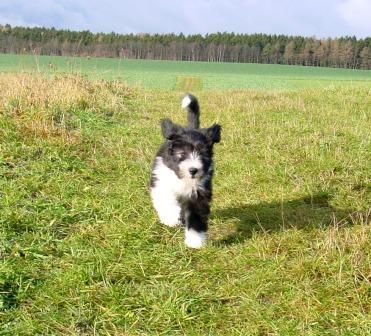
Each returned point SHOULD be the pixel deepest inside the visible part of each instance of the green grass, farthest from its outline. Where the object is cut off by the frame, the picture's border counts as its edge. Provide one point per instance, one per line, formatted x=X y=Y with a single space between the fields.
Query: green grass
x=82 y=251
x=168 y=74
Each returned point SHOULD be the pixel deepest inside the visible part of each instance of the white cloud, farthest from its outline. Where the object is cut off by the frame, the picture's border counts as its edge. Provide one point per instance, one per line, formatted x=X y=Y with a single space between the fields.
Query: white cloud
x=58 y=13
x=357 y=14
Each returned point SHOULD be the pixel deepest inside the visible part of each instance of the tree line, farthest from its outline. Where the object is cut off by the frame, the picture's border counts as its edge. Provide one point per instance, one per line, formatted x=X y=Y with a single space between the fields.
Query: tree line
x=343 y=52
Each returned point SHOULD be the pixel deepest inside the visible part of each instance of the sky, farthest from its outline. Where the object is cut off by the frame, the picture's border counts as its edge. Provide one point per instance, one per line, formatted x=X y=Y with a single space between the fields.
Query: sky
x=319 y=18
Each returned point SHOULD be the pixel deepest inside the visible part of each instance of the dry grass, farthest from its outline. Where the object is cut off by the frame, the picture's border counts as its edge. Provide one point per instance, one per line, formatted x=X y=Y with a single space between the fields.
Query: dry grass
x=44 y=107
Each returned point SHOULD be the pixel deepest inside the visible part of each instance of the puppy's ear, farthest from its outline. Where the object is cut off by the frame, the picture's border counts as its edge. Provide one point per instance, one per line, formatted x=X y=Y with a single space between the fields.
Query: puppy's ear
x=213 y=133
x=170 y=130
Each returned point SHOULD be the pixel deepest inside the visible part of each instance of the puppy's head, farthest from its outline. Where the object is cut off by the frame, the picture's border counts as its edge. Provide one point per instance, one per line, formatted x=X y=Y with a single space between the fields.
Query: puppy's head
x=190 y=151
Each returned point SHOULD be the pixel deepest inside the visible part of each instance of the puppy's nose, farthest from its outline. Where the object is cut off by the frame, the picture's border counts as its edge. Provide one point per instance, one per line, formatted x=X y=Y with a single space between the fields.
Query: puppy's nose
x=193 y=171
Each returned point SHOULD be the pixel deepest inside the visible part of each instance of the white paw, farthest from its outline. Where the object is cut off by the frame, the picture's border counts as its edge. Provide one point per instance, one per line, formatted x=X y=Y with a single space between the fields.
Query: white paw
x=194 y=239
x=170 y=222
x=170 y=216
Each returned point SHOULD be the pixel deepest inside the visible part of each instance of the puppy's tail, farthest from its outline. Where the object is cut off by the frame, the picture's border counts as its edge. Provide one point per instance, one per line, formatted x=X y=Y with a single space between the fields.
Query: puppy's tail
x=190 y=103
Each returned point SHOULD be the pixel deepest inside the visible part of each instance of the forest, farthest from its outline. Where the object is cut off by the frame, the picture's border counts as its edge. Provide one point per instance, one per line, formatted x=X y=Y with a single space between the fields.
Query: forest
x=343 y=52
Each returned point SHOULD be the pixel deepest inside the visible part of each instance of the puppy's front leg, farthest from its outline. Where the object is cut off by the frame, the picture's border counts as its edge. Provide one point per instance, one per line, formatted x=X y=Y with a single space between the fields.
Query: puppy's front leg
x=167 y=206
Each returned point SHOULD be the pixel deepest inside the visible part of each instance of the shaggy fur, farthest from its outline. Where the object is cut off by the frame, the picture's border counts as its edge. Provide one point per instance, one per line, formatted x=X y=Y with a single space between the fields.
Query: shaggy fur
x=182 y=172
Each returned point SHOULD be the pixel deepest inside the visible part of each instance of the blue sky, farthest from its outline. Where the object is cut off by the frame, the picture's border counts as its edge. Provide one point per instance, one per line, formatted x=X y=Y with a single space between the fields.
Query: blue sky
x=320 y=18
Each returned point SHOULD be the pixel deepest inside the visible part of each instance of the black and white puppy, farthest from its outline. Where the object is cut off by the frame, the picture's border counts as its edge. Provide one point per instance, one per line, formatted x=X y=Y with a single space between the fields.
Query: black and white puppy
x=181 y=176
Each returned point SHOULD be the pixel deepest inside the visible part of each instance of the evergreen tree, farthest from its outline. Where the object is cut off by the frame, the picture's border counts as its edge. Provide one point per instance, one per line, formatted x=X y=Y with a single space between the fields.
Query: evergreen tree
x=347 y=52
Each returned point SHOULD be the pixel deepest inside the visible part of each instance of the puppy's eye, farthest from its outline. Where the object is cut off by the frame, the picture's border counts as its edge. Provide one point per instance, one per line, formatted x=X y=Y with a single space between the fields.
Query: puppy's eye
x=181 y=155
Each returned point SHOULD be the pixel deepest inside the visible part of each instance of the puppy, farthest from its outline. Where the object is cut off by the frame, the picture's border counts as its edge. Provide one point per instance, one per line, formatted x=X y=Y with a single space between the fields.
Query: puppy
x=182 y=172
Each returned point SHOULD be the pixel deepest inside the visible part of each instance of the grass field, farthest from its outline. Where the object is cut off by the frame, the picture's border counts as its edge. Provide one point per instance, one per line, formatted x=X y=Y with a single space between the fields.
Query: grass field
x=81 y=249
x=172 y=75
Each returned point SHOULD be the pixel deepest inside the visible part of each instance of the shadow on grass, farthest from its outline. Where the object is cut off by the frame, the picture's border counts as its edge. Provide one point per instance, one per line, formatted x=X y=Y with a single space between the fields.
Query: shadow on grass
x=304 y=213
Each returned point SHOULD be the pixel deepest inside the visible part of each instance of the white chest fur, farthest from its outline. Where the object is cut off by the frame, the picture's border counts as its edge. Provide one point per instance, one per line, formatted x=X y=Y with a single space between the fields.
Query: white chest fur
x=167 y=190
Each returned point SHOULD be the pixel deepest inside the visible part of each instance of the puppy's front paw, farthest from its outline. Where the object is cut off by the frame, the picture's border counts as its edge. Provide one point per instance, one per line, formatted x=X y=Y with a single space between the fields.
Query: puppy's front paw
x=170 y=222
